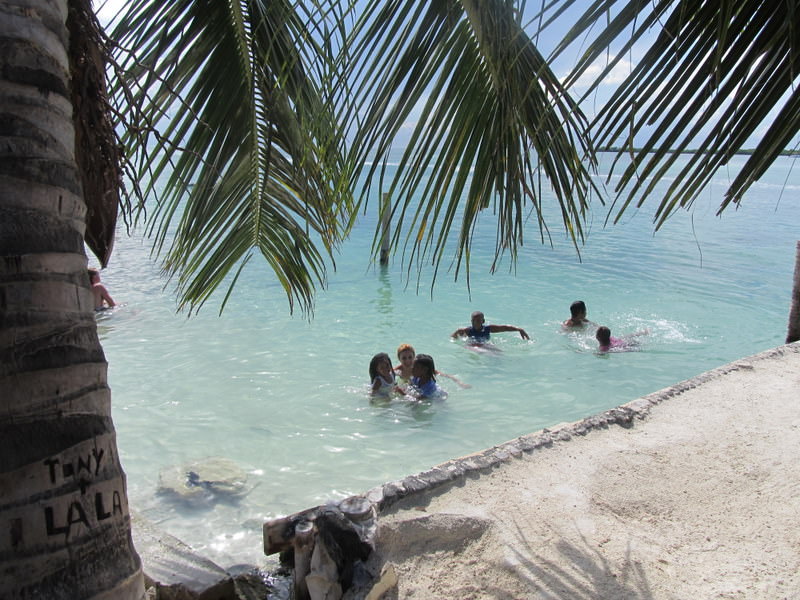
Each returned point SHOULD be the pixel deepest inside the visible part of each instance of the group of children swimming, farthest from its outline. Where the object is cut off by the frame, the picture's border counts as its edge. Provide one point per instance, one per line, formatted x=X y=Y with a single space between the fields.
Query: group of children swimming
x=415 y=376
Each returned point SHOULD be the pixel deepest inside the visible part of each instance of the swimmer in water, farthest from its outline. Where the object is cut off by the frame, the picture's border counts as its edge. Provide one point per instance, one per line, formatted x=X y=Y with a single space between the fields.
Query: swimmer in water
x=102 y=299
x=403 y=371
x=423 y=381
x=381 y=375
x=577 y=317
x=608 y=343
x=478 y=332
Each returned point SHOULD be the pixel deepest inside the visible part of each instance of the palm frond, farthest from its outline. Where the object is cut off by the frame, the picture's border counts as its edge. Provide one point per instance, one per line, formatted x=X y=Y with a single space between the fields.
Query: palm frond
x=96 y=142
x=713 y=75
x=493 y=122
x=231 y=106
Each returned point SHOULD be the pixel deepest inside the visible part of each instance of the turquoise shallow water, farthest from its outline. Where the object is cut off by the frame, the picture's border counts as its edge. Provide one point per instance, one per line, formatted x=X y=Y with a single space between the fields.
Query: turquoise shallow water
x=285 y=398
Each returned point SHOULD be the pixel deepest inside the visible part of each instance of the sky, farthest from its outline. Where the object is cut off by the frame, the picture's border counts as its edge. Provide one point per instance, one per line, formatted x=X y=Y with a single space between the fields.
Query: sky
x=108 y=8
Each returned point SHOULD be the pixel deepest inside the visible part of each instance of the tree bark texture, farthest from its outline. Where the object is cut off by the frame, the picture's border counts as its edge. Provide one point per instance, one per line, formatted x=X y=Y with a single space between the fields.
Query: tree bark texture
x=793 y=333
x=64 y=520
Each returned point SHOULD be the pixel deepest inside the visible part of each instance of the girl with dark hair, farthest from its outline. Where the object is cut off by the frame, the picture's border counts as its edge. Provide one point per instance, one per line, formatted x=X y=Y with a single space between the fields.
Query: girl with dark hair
x=423 y=379
x=381 y=374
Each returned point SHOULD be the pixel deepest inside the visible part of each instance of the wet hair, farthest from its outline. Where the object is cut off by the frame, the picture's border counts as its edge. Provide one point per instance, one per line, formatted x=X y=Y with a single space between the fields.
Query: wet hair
x=376 y=360
x=577 y=307
x=403 y=347
x=477 y=313
x=426 y=361
x=603 y=335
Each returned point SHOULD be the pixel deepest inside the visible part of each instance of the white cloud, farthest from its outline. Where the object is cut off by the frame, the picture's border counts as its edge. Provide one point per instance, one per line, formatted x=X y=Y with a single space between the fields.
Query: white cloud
x=614 y=77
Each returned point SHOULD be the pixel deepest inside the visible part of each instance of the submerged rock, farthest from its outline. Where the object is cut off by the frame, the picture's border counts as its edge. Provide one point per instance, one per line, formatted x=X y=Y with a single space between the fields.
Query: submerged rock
x=204 y=481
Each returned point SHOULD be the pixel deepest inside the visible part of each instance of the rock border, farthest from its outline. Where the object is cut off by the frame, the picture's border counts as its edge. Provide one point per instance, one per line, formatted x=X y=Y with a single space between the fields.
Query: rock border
x=287 y=534
x=278 y=533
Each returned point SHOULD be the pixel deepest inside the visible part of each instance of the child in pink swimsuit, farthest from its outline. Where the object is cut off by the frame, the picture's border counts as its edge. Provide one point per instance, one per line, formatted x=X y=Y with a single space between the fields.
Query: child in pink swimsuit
x=608 y=342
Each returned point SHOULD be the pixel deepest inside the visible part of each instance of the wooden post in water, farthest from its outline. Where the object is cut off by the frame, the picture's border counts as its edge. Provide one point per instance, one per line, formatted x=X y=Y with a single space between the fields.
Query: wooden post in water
x=793 y=333
x=385 y=229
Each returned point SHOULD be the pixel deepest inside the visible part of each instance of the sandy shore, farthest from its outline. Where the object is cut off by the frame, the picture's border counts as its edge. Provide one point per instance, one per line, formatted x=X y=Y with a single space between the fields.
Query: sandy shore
x=695 y=495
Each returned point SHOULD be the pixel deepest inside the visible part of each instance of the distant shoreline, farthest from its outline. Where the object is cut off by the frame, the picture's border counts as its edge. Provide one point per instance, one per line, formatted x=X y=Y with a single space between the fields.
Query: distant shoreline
x=746 y=152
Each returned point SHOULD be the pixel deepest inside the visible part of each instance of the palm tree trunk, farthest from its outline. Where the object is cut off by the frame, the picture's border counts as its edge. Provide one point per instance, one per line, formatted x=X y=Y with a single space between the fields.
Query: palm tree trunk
x=794 y=313
x=64 y=520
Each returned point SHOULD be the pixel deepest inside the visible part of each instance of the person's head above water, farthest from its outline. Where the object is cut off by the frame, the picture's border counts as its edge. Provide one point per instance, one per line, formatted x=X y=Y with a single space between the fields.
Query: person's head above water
x=603 y=335
x=578 y=309
x=406 y=351
x=424 y=367
x=477 y=319
x=374 y=365
x=102 y=299
x=405 y=354
x=577 y=317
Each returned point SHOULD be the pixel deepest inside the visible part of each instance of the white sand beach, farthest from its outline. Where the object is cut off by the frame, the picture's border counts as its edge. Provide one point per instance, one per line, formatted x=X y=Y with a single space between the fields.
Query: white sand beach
x=696 y=497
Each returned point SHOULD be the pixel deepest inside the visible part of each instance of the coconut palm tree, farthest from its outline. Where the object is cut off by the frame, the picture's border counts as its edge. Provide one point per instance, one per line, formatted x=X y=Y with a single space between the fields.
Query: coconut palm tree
x=260 y=165
x=269 y=118
x=493 y=123
x=258 y=119
x=63 y=506
x=793 y=329
x=228 y=108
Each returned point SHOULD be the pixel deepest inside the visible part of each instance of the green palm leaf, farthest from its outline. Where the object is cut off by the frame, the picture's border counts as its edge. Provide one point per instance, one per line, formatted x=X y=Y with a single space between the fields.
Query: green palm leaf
x=494 y=123
x=231 y=106
x=714 y=74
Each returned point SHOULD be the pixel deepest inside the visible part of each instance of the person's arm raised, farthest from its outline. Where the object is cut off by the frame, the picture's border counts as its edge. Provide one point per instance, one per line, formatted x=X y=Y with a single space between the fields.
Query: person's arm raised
x=501 y=328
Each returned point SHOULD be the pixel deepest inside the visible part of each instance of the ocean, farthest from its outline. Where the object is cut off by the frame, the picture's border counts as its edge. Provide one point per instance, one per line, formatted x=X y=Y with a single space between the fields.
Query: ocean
x=281 y=401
